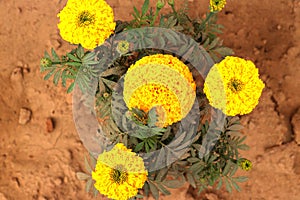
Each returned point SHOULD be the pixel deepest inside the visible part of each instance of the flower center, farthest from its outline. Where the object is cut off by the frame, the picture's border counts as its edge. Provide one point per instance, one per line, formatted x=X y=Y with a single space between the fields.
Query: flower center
x=85 y=18
x=118 y=174
x=235 y=85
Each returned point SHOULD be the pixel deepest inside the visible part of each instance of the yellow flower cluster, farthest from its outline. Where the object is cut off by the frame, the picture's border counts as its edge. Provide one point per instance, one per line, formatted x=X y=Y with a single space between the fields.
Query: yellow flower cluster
x=86 y=22
x=119 y=173
x=217 y=5
x=160 y=81
x=233 y=85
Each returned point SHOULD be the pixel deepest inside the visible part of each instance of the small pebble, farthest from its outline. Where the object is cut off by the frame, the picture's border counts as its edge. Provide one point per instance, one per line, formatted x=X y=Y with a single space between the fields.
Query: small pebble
x=49 y=125
x=25 y=116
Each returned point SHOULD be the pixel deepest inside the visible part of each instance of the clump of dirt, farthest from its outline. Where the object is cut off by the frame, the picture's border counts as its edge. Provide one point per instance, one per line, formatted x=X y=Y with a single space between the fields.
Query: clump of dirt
x=39 y=159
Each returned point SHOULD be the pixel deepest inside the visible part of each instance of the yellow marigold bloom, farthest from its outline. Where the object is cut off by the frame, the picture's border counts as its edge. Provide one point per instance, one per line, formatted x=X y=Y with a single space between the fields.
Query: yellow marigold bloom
x=161 y=81
x=217 y=5
x=86 y=22
x=233 y=86
x=119 y=173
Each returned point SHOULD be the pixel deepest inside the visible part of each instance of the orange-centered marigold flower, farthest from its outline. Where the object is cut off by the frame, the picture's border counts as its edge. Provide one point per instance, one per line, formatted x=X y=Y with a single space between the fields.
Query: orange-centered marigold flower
x=161 y=81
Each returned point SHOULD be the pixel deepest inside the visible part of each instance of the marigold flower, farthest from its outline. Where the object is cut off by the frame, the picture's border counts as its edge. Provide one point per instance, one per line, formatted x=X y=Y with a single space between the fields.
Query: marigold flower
x=160 y=81
x=119 y=173
x=233 y=86
x=217 y=5
x=86 y=22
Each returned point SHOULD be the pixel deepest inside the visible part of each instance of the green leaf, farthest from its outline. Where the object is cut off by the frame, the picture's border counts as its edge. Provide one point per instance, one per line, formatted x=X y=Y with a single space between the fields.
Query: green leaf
x=145 y=7
x=163 y=189
x=173 y=183
x=193 y=160
x=139 y=147
x=136 y=12
x=139 y=196
x=72 y=57
x=80 y=51
x=82 y=176
x=75 y=64
x=228 y=185
x=46 y=55
x=54 y=55
x=235 y=185
x=88 y=185
x=162 y=174
x=240 y=179
x=191 y=180
x=219 y=184
x=235 y=168
x=56 y=77
x=87 y=165
x=154 y=190
x=235 y=127
x=49 y=74
x=71 y=87
x=227 y=168
x=243 y=147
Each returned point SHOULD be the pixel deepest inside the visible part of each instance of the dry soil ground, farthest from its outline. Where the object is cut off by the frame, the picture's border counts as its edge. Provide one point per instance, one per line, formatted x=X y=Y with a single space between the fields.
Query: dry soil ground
x=35 y=164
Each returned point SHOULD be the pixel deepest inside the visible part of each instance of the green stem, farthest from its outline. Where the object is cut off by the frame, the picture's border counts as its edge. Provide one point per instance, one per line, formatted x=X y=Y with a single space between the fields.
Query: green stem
x=174 y=11
x=155 y=17
x=202 y=25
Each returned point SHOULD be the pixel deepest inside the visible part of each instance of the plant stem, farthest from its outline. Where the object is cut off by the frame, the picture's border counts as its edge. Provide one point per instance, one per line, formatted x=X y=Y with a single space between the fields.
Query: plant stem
x=206 y=19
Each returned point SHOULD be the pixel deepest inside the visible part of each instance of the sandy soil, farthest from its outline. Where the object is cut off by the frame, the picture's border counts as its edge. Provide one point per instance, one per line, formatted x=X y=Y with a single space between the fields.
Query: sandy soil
x=35 y=164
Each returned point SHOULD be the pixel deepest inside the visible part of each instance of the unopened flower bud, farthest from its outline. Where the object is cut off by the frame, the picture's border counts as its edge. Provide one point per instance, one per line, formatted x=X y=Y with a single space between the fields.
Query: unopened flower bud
x=46 y=62
x=245 y=164
x=171 y=2
x=160 y=4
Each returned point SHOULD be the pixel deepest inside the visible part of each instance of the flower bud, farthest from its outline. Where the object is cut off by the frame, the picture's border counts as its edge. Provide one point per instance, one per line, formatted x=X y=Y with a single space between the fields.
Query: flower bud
x=245 y=164
x=171 y=2
x=160 y=4
x=45 y=62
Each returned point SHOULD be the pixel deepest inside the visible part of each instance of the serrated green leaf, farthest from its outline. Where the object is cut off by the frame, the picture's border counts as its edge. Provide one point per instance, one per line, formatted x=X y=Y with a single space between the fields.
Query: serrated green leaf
x=219 y=184
x=163 y=189
x=54 y=55
x=145 y=7
x=146 y=188
x=235 y=185
x=162 y=174
x=191 y=180
x=80 y=51
x=240 y=179
x=56 y=77
x=74 y=64
x=64 y=78
x=154 y=190
x=71 y=87
x=236 y=127
x=49 y=74
x=193 y=160
x=173 y=183
x=243 y=147
x=139 y=147
x=137 y=13
x=72 y=57
x=233 y=171
x=88 y=57
x=82 y=176
x=227 y=168
x=46 y=55
x=228 y=185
